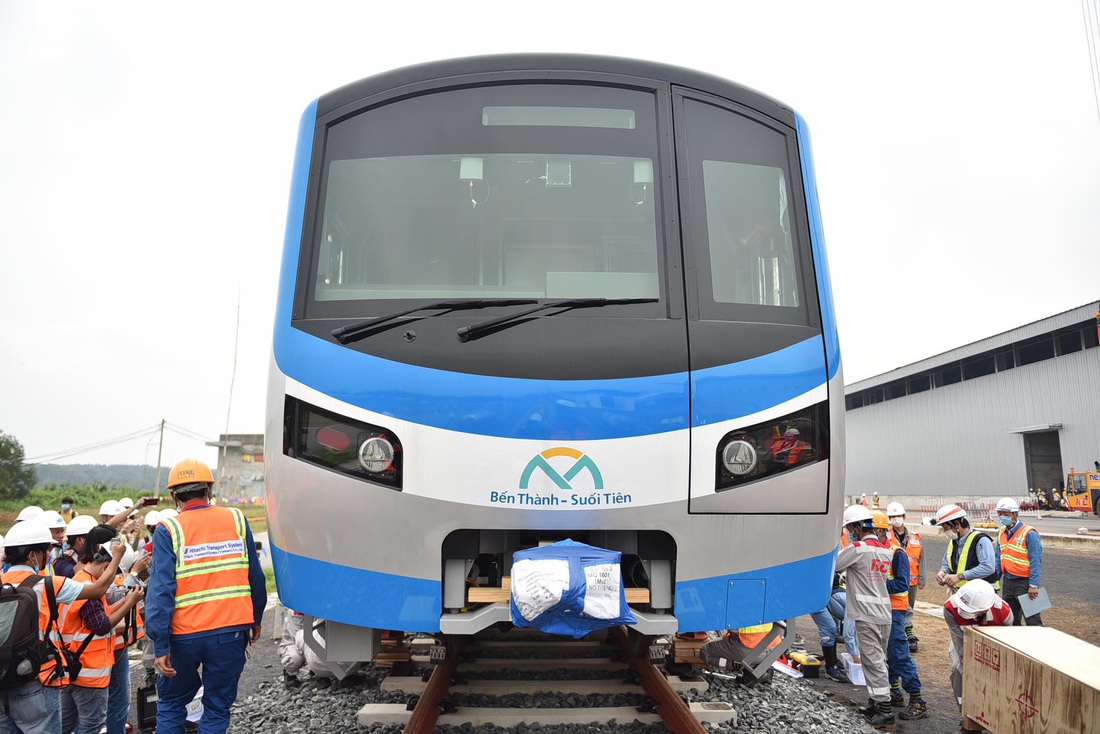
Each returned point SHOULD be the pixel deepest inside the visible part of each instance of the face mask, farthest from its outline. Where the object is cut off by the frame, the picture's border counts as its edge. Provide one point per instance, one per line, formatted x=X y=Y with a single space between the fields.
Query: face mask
x=897 y=522
x=951 y=534
x=1005 y=520
x=65 y=506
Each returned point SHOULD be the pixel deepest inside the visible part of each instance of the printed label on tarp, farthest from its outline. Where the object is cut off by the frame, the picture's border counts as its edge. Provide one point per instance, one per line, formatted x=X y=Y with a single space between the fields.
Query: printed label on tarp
x=537 y=585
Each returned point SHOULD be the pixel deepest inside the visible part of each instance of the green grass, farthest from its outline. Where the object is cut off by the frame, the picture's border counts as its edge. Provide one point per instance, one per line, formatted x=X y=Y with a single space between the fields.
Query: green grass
x=269 y=573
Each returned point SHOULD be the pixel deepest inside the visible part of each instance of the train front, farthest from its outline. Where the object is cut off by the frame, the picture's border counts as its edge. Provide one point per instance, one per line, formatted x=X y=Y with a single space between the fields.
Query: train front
x=525 y=299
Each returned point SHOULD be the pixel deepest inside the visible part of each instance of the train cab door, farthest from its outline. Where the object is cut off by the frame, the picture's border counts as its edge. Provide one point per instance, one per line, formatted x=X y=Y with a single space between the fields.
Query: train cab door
x=756 y=357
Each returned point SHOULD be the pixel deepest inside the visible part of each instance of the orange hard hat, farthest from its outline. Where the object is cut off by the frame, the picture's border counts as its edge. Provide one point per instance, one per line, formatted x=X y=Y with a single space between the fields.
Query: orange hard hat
x=879 y=521
x=189 y=471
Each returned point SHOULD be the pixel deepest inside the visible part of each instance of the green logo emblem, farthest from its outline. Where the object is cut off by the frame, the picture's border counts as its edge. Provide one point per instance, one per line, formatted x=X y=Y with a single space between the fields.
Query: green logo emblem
x=541 y=462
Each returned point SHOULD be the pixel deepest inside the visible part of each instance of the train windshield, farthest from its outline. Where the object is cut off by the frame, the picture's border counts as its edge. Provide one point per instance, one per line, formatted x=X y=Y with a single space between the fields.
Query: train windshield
x=514 y=191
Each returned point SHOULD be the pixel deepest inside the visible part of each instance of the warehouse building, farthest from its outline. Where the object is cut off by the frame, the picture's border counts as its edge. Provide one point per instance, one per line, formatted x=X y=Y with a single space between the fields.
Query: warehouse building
x=995 y=417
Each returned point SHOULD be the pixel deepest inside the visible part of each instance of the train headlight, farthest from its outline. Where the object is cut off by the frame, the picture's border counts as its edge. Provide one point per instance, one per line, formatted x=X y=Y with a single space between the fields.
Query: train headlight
x=376 y=454
x=787 y=442
x=739 y=457
x=353 y=448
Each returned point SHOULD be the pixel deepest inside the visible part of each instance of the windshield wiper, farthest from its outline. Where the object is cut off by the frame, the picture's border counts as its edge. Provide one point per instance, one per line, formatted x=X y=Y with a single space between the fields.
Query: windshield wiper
x=466 y=333
x=360 y=329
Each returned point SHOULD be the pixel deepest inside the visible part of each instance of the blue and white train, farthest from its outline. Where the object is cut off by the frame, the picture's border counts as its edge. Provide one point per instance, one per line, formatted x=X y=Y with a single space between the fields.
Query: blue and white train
x=533 y=297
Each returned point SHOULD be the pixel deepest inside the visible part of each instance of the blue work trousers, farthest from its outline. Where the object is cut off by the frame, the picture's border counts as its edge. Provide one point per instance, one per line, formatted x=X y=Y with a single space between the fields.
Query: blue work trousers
x=31 y=708
x=898 y=659
x=83 y=710
x=118 y=694
x=221 y=657
x=831 y=623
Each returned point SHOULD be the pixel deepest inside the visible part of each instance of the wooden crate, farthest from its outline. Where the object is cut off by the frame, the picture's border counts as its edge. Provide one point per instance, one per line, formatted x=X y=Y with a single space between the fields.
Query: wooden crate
x=1030 y=679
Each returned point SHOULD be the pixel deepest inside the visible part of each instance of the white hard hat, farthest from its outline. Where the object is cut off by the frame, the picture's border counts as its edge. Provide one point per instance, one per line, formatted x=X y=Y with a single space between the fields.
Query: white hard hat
x=152 y=518
x=110 y=507
x=125 y=504
x=168 y=514
x=791 y=432
x=947 y=513
x=51 y=519
x=1007 y=504
x=29 y=532
x=127 y=560
x=28 y=513
x=856 y=513
x=975 y=598
x=895 y=509
x=80 y=525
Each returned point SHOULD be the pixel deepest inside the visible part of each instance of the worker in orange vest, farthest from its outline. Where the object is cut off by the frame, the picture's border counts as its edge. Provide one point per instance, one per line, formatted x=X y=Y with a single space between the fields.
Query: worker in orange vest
x=1020 y=558
x=35 y=706
x=914 y=549
x=739 y=646
x=87 y=631
x=206 y=602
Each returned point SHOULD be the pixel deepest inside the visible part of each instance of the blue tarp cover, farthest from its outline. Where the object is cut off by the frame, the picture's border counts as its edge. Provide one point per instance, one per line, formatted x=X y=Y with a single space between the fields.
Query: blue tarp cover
x=568 y=588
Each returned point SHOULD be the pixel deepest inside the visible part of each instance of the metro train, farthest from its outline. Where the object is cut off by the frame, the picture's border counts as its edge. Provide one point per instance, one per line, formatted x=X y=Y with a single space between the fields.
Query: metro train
x=526 y=298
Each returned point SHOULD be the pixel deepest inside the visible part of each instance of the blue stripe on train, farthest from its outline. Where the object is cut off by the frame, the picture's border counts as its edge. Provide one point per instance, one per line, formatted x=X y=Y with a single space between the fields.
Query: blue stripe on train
x=386 y=601
x=355 y=596
x=755 y=597
x=548 y=409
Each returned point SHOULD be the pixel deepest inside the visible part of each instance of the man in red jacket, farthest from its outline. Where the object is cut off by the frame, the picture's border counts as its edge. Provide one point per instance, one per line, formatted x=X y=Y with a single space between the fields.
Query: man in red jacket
x=975 y=604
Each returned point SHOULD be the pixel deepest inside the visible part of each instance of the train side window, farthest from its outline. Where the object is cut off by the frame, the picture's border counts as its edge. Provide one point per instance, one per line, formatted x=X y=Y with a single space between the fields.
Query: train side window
x=748 y=256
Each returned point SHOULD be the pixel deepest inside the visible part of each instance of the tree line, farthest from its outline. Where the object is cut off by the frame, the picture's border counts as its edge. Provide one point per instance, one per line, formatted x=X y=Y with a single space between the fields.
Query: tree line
x=17 y=479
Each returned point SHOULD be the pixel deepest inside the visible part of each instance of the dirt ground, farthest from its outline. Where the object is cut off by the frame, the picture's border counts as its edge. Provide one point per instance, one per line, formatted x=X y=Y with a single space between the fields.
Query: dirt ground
x=1071 y=577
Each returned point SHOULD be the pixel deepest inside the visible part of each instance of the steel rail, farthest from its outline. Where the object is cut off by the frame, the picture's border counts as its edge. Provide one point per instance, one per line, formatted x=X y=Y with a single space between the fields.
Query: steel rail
x=672 y=709
x=426 y=712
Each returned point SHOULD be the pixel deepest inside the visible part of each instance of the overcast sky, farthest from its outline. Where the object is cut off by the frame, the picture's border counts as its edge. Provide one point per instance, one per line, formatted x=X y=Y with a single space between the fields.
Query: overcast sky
x=146 y=148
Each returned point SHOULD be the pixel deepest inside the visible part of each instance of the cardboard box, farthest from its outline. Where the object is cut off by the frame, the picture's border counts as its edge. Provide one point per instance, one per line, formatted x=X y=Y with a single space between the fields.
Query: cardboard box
x=1030 y=679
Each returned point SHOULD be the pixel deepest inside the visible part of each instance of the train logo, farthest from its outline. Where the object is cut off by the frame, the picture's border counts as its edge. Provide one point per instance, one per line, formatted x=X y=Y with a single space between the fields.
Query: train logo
x=541 y=462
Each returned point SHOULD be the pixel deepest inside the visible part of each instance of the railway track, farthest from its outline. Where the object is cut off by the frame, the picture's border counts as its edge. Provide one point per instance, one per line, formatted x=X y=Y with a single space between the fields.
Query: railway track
x=508 y=680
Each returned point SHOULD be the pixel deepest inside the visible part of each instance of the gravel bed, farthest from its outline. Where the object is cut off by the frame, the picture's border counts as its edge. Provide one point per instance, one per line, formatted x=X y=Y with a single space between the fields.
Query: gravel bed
x=784 y=706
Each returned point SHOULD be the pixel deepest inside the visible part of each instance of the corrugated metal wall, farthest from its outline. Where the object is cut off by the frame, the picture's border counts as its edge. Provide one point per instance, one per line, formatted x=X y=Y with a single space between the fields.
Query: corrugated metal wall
x=956 y=439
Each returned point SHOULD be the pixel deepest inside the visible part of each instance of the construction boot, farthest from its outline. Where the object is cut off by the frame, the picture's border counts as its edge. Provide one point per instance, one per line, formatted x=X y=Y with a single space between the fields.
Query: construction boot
x=917 y=709
x=869 y=710
x=832 y=670
x=897 y=698
x=882 y=720
x=914 y=643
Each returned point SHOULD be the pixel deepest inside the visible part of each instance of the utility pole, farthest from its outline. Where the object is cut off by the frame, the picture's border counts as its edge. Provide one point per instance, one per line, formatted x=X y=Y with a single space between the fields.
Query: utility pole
x=160 y=450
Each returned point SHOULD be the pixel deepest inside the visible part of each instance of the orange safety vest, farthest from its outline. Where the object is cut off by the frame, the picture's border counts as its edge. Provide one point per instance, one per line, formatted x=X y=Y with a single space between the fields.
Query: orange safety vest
x=914 y=548
x=212 y=589
x=99 y=656
x=121 y=641
x=1014 y=557
x=900 y=600
x=17 y=577
x=752 y=636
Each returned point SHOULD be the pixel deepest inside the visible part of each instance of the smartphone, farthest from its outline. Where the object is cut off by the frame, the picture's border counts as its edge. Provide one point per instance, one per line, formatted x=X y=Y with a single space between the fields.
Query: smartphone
x=149 y=501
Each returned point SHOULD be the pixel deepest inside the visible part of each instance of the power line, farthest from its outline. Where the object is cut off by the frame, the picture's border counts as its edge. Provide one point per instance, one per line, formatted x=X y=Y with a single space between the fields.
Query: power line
x=66 y=453
x=1090 y=12
x=186 y=432
x=106 y=443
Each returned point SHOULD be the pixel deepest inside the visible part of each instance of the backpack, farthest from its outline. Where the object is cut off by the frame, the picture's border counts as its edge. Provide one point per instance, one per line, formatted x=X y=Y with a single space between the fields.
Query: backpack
x=22 y=651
